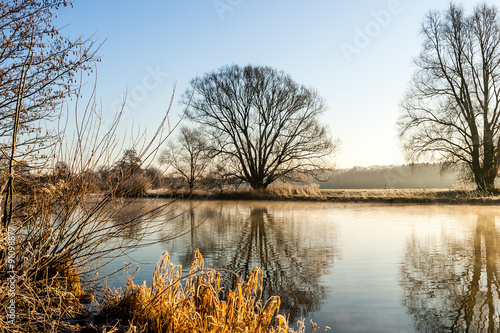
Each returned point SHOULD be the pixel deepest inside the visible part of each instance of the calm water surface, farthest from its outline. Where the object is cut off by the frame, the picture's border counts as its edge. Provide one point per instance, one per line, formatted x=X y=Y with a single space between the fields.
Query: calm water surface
x=354 y=267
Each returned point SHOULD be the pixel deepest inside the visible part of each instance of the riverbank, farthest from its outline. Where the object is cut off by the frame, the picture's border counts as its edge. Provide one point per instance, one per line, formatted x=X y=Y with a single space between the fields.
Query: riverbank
x=299 y=193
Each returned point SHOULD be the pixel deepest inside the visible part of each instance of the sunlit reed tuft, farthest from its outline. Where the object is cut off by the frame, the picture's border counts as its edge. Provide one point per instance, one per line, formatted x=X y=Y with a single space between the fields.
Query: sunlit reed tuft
x=198 y=303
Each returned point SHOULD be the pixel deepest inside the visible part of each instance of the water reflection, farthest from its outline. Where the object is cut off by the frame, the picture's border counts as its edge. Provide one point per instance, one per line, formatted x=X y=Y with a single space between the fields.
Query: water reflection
x=292 y=254
x=290 y=270
x=438 y=263
x=128 y=220
x=139 y=219
x=451 y=283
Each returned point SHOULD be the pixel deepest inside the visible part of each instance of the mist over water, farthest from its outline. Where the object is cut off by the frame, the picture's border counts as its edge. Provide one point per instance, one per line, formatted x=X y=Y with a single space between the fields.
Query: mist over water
x=356 y=268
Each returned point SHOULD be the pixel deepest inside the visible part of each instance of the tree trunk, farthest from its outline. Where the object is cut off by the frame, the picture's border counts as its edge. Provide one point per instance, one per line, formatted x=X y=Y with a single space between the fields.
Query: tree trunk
x=489 y=169
x=485 y=179
x=258 y=184
x=8 y=204
x=485 y=176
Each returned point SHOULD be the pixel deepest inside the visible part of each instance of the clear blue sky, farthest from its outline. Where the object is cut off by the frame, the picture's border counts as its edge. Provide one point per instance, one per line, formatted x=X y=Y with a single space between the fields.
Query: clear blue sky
x=151 y=44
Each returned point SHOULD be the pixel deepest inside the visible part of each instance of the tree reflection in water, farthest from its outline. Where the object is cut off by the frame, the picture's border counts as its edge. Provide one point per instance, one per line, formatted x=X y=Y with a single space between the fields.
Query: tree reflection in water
x=292 y=258
x=128 y=220
x=452 y=284
x=291 y=270
x=142 y=219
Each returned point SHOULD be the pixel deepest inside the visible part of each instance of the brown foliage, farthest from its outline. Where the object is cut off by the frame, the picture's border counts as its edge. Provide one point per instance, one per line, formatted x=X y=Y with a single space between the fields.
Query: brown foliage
x=197 y=303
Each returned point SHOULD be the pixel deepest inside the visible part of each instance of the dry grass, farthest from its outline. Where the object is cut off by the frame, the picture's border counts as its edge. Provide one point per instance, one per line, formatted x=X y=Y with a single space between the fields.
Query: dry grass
x=42 y=307
x=296 y=191
x=312 y=192
x=198 y=303
x=412 y=196
x=281 y=191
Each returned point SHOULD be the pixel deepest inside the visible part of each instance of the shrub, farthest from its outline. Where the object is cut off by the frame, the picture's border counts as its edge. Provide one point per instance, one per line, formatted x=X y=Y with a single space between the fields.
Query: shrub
x=135 y=185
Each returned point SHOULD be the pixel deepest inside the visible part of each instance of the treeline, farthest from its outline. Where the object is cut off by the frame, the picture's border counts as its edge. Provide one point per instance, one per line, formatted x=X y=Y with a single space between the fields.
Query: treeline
x=418 y=176
x=129 y=176
x=126 y=177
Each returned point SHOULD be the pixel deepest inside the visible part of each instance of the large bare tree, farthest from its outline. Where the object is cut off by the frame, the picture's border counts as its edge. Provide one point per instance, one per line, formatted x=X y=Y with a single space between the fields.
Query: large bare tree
x=452 y=110
x=261 y=121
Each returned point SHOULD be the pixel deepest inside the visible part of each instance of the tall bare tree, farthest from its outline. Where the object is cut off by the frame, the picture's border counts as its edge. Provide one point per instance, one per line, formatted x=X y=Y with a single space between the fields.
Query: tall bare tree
x=37 y=69
x=262 y=120
x=452 y=110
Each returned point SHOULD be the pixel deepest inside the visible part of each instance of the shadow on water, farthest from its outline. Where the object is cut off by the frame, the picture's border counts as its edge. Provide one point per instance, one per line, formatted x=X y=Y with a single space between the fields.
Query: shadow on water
x=287 y=250
x=451 y=283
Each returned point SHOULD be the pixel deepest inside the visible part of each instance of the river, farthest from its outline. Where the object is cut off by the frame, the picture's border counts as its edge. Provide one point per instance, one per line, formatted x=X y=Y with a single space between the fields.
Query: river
x=353 y=267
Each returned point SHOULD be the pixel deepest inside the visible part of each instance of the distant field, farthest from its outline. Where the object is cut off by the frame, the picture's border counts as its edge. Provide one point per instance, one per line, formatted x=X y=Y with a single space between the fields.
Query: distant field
x=411 y=196
x=416 y=176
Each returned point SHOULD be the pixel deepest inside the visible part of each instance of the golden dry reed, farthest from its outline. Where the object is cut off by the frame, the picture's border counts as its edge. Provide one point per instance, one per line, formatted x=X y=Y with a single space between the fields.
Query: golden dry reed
x=198 y=303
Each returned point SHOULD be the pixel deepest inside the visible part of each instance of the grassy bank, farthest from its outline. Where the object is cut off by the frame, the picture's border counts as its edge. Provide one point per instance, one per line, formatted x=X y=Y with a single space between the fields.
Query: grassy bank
x=412 y=196
x=312 y=193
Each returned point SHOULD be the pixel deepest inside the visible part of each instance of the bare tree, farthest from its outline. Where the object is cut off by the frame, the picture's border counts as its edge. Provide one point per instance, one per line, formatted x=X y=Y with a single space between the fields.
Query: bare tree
x=37 y=69
x=188 y=156
x=67 y=231
x=37 y=65
x=452 y=109
x=261 y=120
